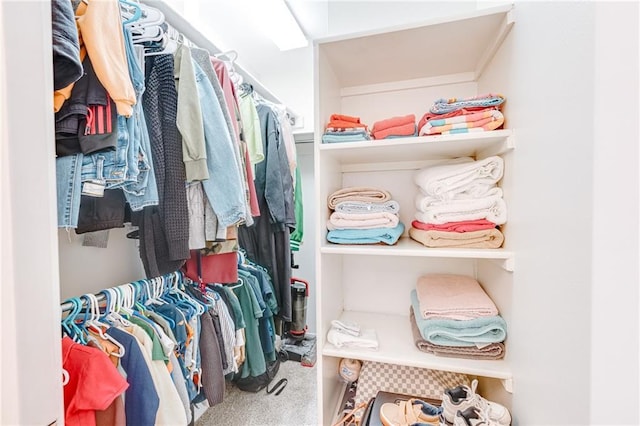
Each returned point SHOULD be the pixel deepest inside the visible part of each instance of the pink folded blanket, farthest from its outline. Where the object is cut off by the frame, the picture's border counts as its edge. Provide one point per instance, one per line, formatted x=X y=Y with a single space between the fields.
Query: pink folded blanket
x=393 y=122
x=490 y=351
x=449 y=296
x=358 y=193
x=478 y=121
x=463 y=226
x=485 y=238
x=340 y=220
x=408 y=129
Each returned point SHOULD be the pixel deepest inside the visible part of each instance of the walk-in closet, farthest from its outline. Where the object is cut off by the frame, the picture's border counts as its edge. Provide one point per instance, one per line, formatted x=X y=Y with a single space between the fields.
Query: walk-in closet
x=424 y=213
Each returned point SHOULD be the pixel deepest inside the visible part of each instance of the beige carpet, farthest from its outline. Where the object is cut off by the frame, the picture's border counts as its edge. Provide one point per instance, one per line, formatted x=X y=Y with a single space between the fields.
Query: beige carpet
x=296 y=405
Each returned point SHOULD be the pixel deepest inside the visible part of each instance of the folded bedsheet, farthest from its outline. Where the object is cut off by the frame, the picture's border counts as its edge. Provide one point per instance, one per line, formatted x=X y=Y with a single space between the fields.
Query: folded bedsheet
x=390 y=206
x=493 y=209
x=451 y=296
x=483 y=239
x=339 y=220
x=442 y=106
x=358 y=193
x=388 y=236
x=465 y=333
x=447 y=180
x=490 y=351
x=476 y=122
x=475 y=190
x=463 y=226
x=398 y=131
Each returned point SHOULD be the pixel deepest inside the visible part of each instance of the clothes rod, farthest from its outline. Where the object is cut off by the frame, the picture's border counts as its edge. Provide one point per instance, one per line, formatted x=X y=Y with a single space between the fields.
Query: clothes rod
x=183 y=26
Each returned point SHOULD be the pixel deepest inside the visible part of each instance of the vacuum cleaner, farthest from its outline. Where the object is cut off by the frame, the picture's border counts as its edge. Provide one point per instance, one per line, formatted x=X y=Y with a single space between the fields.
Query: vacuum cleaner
x=299 y=344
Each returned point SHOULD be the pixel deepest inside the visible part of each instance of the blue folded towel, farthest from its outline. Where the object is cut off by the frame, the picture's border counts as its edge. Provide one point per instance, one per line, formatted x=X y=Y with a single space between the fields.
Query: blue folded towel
x=366 y=236
x=448 y=332
x=346 y=136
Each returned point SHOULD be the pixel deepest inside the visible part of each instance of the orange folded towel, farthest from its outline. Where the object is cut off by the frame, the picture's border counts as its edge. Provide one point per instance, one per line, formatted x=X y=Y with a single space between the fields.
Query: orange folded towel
x=393 y=122
x=408 y=129
x=340 y=117
x=338 y=121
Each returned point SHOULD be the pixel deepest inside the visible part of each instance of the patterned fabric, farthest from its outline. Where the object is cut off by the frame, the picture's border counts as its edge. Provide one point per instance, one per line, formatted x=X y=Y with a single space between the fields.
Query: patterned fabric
x=403 y=379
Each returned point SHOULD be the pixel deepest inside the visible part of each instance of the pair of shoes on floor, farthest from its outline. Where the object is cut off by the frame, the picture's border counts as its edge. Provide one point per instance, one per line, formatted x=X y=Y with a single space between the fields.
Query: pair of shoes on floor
x=413 y=412
x=462 y=406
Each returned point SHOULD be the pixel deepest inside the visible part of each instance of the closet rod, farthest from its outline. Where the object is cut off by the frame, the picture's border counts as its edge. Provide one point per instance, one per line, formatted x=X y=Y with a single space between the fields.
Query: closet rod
x=183 y=26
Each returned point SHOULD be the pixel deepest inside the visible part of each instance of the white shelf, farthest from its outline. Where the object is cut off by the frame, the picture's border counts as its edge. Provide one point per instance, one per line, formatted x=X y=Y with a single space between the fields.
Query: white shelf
x=481 y=144
x=438 y=47
x=396 y=346
x=408 y=247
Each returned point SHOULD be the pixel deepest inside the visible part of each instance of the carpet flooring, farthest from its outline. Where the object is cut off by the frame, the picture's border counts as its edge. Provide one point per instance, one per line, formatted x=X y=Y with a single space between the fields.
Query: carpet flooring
x=296 y=405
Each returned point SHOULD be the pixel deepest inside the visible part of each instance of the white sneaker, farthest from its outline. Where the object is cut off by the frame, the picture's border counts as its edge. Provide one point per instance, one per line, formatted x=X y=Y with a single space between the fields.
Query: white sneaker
x=462 y=397
x=473 y=416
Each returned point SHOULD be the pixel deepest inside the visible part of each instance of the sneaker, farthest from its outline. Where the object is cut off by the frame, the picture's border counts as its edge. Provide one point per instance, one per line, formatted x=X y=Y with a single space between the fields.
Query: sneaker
x=473 y=416
x=411 y=412
x=462 y=397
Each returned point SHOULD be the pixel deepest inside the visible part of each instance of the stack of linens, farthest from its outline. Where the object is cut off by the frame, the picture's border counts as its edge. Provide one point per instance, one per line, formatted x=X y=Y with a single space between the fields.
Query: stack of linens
x=463 y=115
x=395 y=127
x=345 y=128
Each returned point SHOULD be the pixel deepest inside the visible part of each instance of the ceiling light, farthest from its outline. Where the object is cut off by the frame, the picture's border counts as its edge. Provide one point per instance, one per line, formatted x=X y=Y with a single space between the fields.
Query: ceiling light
x=278 y=23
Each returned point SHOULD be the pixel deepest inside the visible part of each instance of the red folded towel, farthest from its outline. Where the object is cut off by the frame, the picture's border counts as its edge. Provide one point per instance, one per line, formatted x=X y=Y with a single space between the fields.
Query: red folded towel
x=340 y=121
x=462 y=226
x=408 y=129
x=393 y=122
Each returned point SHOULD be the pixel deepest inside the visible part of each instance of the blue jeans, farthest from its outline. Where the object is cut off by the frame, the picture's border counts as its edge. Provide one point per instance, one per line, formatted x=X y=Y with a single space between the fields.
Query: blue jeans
x=109 y=166
x=69 y=189
x=224 y=188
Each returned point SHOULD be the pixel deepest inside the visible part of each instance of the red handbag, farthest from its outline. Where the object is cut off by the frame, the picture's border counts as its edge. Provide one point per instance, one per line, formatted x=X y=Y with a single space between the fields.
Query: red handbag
x=212 y=268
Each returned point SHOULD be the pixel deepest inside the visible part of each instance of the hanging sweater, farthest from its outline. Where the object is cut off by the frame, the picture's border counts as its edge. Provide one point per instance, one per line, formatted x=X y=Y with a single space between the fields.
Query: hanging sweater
x=164 y=229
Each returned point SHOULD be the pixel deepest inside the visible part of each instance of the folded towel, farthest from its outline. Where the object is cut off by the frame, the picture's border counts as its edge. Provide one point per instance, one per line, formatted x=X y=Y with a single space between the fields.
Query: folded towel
x=446 y=180
x=490 y=351
x=344 y=122
x=367 y=339
x=463 y=226
x=476 y=122
x=329 y=138
x=408 y=129
x=462 y=111
x=339 y=220
x=450 y=296
x=447 y=332
x=390 y=206
x=485 y=238
x=344 y=132
x=493 y=209
x=475 y=190
x=393 y=122
x=442 y=106
x=358 y=193
x=388 y=236
x=342 y=117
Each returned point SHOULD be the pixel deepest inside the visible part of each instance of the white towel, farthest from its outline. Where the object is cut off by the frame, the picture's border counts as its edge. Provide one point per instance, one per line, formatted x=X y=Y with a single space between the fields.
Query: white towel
x=445 y=181
x=424 y=202
x=339 y=220
x=390 y=206
x=493 y=209
x=367 y=339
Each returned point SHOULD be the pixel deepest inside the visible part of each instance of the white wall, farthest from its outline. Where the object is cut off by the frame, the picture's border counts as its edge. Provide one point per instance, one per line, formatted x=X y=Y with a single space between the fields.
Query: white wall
x=31 y=352
x=614 y=293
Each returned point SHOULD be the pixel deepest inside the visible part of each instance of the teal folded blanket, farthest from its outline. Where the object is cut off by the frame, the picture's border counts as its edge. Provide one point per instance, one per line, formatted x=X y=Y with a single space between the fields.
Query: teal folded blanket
x=366 y=236
x=448 y=332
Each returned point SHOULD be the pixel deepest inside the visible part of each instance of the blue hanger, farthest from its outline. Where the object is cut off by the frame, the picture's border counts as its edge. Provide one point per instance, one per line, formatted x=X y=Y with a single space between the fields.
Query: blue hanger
x=138 y=12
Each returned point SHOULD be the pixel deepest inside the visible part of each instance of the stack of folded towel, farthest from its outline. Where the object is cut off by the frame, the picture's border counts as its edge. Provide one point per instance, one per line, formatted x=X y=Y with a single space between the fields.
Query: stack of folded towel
x=395 y=127
x=459 y=204
x=463 y=115
x=363 y=215
x=451 y=315
x=344 y=128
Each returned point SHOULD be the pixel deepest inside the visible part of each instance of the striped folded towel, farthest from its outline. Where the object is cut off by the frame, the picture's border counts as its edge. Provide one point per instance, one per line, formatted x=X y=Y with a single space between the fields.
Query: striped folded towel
x=476 y=122
x=442 y=106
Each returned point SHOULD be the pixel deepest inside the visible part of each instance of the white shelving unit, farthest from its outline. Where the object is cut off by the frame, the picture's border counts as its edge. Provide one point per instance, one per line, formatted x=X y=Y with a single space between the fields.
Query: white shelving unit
x=376 y=76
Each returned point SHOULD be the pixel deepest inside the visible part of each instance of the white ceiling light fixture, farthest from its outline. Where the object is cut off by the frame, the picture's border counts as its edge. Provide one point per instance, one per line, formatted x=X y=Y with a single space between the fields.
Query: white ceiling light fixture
x=278 y=23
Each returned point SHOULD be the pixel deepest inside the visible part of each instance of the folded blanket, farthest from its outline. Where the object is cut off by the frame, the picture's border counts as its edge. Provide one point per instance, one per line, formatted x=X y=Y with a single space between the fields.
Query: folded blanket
x=485 y=239
x=393 y=122
x=448 y=332
x=390 y=206
x=358 y=193
x=408 y=129
x=463 y=226
x=462 y=111
x=476 y=190
x=344 y=122
x=446 y=180
x=388 y=236
x=451 y=296
x=329 y=138
x=491 y=351
x=339 y=220
x=476 y=122
x=442 y=106
x=493 y=209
